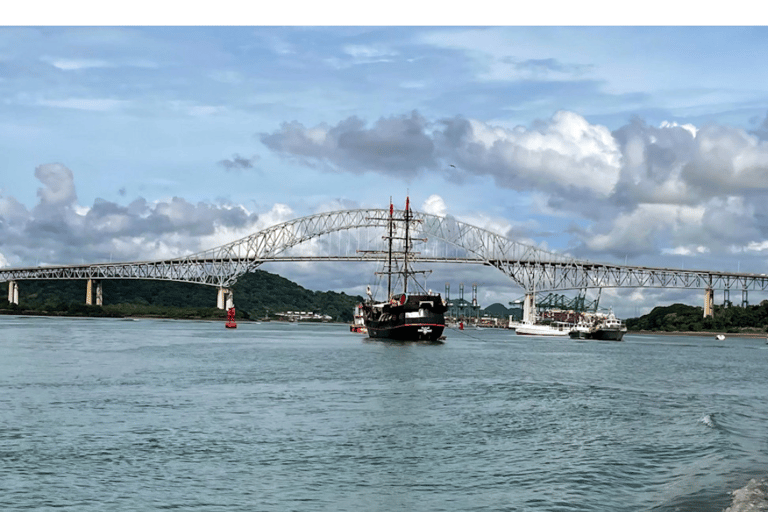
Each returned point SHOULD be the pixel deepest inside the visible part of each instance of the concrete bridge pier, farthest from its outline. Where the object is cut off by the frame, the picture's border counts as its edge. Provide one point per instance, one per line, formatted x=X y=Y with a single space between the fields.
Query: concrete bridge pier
x=744 y=298
x=709 y=301
x=529 y=308
x=225 y=299
x=13 y=292
x=93 y=291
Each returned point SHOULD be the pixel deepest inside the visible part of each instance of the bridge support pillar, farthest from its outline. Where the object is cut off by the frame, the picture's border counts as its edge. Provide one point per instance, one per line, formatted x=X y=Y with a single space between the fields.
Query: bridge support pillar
x=225 y=299
x=529 y=308
x=709 y=300
x=93 y=291
x=744 y=298
x=13 y=292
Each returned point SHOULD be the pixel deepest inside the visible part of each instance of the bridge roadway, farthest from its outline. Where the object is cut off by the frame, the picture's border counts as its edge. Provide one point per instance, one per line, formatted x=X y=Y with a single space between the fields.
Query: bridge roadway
x=346 y=236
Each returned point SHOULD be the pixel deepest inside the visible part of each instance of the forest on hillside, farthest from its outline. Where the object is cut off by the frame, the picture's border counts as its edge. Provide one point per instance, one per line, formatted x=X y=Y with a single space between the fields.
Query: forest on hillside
x=258 y=294
x=681 y=318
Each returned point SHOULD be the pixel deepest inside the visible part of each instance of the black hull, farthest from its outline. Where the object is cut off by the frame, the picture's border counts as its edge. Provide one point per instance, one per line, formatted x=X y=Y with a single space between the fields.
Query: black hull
x=408 y=332
x=599 y=334
x=608 y=334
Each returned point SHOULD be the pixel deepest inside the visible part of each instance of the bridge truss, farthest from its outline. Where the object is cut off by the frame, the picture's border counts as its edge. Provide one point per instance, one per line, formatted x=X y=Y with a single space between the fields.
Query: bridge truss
x=356 y=235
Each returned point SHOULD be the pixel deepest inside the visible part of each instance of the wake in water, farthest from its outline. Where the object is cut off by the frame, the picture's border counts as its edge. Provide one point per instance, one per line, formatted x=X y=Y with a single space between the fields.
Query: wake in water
x=709 y=421
x=753 y=497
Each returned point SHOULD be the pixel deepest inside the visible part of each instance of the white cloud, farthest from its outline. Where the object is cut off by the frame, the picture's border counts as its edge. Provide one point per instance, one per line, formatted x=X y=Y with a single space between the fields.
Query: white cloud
x=685 y=251
x=435 y=206
x=727 y=159
x=92 y=104
x=367 y=52
x=640 y=229
x=77 y=64
x=757 y=246
x=496 y=225
x=688 y=127
x=206 y=110
x=563 y=152
x=59 y=185
x=278 y=214
x=361 y=54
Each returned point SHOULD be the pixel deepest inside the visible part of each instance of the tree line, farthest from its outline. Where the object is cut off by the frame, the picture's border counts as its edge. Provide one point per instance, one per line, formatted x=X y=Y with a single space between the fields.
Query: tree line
x=258 y=295
x=684 y=318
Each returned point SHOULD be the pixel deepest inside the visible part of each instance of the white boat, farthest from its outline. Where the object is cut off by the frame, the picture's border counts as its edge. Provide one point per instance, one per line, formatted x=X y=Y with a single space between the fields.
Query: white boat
x=608 y=328
x=530 y=329
x=358 y=325
x=720 y=337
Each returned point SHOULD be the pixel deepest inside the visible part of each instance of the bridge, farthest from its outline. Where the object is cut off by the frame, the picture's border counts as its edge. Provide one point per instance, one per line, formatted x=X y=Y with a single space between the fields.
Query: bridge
x=356 y=235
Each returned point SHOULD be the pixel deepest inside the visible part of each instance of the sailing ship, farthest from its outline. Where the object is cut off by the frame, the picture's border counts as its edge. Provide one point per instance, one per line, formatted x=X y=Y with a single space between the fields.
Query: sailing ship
x=403 y=316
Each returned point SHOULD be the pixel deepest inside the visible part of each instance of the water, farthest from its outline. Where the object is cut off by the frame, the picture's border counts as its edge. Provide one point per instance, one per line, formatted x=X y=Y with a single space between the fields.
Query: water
x=150 y=415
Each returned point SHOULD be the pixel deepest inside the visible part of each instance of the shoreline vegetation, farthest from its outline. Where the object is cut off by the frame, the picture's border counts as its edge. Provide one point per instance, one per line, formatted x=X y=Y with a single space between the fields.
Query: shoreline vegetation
x=220 y=316
x=681 y=319
x=258 y=295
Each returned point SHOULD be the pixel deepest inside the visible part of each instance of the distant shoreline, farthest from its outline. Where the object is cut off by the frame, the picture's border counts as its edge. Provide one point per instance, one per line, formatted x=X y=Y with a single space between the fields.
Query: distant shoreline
x=703 y=333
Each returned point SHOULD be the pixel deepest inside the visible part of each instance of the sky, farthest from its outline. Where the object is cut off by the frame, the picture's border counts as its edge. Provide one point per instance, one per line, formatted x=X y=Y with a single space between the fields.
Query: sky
x=643 y=145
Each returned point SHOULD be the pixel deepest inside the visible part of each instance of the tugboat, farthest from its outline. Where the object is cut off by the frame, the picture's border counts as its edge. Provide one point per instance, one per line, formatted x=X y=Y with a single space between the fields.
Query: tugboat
x=403 y=316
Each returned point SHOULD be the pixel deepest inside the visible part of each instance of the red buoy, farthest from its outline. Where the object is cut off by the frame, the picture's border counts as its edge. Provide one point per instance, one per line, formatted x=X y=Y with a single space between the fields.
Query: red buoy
x=231 y=324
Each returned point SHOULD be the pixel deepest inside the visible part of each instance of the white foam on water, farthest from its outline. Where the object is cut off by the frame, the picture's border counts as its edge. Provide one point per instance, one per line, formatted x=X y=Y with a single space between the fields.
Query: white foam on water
x=753 y=497
x=708 y=421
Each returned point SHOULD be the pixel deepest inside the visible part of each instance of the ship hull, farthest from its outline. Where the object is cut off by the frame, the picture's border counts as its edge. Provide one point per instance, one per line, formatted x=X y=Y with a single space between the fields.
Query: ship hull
x=608 y=334
x=599 y=334
x=408 y=332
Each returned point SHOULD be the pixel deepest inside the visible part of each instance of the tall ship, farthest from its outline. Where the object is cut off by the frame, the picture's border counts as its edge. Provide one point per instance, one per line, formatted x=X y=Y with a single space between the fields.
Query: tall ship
x=404 y=315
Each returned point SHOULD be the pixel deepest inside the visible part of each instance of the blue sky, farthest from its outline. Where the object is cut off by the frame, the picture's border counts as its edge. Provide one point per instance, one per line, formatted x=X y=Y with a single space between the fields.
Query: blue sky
x=637 y=144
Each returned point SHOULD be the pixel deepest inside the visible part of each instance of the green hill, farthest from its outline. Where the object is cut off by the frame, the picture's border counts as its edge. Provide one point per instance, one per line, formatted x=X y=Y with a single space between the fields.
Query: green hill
x=496 y=310
x=681 y=318
x=256 y=294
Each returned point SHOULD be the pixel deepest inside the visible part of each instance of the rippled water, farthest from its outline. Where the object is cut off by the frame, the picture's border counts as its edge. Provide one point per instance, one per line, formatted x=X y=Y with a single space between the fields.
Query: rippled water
x=148 y=415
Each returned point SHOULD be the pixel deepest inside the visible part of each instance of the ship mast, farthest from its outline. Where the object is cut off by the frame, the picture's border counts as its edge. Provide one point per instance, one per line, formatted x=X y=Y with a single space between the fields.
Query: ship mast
x=389 y=269
x=407 y=217
x=392 y=254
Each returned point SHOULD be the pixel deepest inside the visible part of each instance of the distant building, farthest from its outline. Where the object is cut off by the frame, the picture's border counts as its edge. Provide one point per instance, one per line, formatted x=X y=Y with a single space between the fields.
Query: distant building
x=303 y=316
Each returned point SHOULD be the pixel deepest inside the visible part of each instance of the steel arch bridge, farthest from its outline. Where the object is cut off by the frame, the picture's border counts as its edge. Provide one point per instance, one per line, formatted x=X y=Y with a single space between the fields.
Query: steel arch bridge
x=355 y=235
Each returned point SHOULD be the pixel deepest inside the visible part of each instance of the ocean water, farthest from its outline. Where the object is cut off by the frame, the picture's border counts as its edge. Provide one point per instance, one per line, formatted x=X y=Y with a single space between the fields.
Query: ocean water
x=104 y=414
